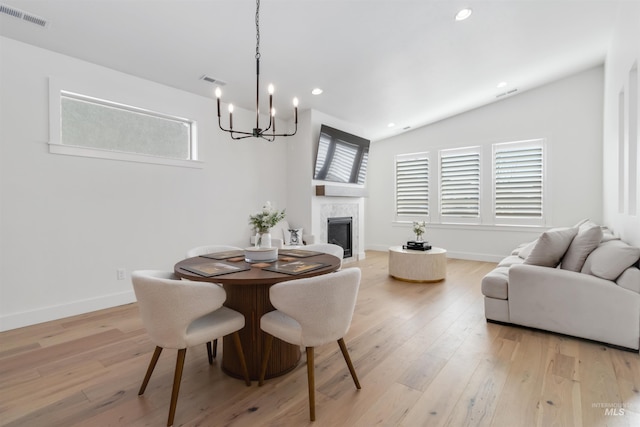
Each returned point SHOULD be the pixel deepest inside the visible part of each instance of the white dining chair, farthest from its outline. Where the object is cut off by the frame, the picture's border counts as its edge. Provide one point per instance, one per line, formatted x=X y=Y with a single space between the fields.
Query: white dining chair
x=327 y=248
x=212 y=350
x=178 y=314
x=309 y=313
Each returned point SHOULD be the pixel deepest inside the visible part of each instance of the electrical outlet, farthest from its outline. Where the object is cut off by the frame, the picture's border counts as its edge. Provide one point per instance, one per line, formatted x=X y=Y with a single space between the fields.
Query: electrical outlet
x=122 y=274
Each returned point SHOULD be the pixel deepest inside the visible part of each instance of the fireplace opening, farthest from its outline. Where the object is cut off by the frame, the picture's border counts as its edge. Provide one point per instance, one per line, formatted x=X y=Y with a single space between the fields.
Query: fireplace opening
x=339 y=233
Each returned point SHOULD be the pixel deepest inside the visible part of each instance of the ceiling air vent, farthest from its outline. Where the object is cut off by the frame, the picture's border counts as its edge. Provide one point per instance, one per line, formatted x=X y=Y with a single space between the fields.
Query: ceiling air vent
x=19 y=14
x=213 y=80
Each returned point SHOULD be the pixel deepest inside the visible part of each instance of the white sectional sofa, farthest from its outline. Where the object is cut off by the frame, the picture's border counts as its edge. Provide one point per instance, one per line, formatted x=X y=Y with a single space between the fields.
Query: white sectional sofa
x=577 y=281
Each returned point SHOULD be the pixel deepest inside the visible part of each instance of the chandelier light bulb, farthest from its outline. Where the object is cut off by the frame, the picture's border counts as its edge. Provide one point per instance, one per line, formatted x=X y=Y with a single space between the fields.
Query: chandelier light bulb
x=270 y=89
x=230 y=108
x=273 y=112
x=295 y=102
x=218 y=92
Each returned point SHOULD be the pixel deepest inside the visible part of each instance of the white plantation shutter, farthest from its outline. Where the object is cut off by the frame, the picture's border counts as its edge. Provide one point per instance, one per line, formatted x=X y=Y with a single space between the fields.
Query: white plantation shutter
x=460 y=183
x=363 y=167
x=412 y=185
x=343 y=160
x=518 y=180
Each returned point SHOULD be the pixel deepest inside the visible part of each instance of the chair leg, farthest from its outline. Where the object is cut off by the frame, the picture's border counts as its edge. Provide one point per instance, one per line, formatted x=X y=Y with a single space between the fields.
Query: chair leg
x=152 y=365
x=243 y=362
x=209 y=353
x=312 y=384
x=177 y=377
x=265 y=358
x=345 y=354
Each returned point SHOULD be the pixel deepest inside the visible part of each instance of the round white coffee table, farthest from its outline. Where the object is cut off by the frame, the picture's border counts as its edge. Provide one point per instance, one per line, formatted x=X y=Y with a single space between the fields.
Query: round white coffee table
x=417 y=266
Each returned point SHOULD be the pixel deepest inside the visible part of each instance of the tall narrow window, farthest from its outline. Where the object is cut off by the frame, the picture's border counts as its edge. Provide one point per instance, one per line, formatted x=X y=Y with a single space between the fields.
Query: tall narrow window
x=518 y=180
x=412 y=186
x=460 y=183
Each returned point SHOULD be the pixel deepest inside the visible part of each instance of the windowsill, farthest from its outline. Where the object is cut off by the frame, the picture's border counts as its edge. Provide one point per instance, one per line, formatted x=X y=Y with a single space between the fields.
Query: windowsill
x=71 y=150
x=476 y=227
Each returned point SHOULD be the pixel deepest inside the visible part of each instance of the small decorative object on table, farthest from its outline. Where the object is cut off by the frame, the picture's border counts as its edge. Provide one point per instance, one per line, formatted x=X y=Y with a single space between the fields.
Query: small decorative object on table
x=417 y=246
x=262 y=223
x=419 y=228
x=255 y=254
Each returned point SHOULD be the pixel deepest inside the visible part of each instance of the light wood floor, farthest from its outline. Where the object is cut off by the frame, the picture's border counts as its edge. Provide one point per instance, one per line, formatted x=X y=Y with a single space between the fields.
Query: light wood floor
x=424 y=354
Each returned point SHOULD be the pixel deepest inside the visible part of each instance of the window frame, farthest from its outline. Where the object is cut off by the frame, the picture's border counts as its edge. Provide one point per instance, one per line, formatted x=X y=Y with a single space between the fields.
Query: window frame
x=529 y=221
x=461 y=219
x=59 y=89
x=408 y=157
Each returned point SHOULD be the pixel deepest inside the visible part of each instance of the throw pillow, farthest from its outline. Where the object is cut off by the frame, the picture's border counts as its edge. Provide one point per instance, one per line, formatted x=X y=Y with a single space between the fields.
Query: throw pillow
x=551 y=246
x=587 y=239
x=293 y=237
x=525 y=251
x=610 y=259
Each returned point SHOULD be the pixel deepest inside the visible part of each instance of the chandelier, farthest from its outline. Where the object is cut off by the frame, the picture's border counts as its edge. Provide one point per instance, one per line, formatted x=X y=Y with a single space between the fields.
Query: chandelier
x=268 y=133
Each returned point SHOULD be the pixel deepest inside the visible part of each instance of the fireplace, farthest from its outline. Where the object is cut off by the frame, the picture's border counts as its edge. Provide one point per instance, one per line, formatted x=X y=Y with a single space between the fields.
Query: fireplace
x=339 y=233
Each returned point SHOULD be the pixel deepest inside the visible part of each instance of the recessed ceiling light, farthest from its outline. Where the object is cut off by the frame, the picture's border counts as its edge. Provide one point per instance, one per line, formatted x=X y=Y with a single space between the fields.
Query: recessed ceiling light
x=502 y=84
x=316 y=91
x=390 y=125
x=463 y=14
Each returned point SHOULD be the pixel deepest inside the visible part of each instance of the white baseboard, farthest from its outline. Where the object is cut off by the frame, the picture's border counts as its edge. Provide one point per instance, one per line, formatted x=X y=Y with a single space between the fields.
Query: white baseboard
x=46 y=314
x=472 y=256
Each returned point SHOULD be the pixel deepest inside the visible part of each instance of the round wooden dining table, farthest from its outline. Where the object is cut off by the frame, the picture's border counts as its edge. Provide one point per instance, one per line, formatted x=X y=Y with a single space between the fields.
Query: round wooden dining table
x=248 y=293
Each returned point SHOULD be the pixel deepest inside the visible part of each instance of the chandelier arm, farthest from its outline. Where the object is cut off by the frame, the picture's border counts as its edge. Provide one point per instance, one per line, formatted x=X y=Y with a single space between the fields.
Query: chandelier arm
x=246 y=135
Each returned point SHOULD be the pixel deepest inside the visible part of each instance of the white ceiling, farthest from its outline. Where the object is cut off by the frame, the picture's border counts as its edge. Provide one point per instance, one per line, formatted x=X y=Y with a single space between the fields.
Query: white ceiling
x=378 y=61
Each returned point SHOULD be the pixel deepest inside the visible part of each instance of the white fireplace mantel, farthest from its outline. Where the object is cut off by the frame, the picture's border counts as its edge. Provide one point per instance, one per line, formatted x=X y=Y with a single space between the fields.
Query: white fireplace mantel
x=340 y=191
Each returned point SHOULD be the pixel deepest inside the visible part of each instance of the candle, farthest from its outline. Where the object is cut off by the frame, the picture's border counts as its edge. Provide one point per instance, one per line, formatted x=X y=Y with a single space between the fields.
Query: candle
x=273 y=117
x=218 y=94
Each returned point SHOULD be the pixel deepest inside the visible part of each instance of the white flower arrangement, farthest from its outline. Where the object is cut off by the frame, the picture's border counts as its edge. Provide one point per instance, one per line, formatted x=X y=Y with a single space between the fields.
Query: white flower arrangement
x=266 y=218
x=419 y=227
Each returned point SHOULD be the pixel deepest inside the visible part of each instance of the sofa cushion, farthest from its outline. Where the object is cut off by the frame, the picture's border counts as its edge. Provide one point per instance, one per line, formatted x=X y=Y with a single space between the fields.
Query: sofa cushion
x=587 y=239
x=495 y=283
x=525 y=251
x=551 y=246
x=630 y=279
x=510 y=260
x=610 y=259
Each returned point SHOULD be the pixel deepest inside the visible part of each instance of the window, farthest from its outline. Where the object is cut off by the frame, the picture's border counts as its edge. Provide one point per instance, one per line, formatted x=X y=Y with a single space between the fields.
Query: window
x=104 y=125
x=91 y=126
x=518 y=181
x=412 y=186
x=460 y=184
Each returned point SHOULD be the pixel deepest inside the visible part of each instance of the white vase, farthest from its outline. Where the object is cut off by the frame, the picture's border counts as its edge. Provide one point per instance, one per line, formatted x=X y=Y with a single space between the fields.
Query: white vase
x=263 y=240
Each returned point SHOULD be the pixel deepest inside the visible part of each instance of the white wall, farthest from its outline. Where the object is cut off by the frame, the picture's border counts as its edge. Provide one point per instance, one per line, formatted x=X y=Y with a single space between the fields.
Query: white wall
x=624 y=52
x=566 y=113
x=67 y=223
